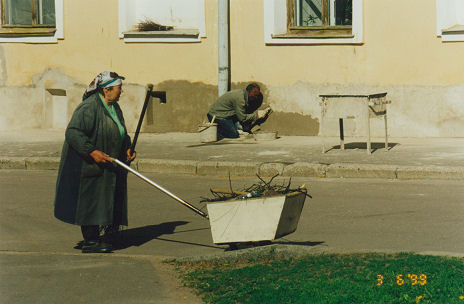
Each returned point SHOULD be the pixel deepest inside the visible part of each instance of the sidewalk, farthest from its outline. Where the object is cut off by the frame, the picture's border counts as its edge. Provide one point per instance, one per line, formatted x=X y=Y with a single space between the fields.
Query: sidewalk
x=183 y=153
x=36 y=246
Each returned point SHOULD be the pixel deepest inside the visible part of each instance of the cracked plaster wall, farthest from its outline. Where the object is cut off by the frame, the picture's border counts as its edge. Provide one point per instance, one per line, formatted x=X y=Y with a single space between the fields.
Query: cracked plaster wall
x=414 y=111
x=422 y=75
x=31 y=107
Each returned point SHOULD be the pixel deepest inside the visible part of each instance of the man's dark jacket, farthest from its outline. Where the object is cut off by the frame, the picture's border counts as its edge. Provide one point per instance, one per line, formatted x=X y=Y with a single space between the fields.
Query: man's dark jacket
x=88 y=193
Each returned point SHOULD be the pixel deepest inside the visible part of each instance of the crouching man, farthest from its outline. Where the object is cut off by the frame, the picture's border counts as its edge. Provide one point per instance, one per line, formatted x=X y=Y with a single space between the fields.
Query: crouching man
x=238 y=108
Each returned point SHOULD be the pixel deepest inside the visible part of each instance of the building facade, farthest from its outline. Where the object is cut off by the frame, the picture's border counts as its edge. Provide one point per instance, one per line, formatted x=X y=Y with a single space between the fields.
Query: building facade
x=295 y=49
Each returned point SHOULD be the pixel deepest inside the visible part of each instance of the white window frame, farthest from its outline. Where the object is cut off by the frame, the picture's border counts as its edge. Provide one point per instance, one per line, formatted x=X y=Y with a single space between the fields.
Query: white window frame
x=128 y=19
x=275 y=23
x=43 y=39
x=450 y=20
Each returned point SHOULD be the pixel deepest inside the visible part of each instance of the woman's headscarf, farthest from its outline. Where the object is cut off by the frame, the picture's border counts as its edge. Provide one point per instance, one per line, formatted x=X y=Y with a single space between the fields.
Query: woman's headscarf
x=103 y=80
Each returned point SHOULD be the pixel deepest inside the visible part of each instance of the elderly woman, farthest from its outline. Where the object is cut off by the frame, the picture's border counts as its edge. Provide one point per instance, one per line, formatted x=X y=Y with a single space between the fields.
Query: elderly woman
x=90 y=191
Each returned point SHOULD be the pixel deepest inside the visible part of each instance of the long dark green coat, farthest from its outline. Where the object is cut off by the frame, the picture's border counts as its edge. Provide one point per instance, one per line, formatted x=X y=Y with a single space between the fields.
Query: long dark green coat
x=88 y=193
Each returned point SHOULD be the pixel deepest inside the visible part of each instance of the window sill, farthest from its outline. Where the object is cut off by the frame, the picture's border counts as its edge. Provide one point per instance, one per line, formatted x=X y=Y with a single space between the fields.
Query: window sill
x=317 y=32
x=26 y=31
x=453 y=34
x=311 y=35
x=456 y=29
x=181 y=35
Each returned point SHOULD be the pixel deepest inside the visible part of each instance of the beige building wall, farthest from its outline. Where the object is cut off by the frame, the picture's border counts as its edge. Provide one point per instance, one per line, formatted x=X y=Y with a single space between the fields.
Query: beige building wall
x=400 y=54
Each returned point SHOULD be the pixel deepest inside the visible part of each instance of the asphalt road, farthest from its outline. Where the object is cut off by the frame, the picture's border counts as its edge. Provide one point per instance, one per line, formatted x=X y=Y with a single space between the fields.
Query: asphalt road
x=351 y=214
x=39 y=265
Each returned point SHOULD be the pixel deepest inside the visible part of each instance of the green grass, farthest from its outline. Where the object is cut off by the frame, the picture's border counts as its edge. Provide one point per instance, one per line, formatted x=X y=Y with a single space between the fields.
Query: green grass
x=329 y=278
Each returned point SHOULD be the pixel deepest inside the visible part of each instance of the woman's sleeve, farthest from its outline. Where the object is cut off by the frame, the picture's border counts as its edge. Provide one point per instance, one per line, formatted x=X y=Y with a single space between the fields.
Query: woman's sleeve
x=80 y=129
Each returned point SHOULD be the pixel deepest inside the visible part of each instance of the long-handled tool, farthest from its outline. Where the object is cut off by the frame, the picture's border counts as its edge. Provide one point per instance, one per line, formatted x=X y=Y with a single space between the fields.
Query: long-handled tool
x=162 y=96
x=150 y=93
x=146 y=179
x=142 y=114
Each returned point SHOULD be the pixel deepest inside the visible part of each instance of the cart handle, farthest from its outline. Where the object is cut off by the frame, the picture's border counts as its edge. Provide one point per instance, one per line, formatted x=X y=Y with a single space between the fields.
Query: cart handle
x=128 y=168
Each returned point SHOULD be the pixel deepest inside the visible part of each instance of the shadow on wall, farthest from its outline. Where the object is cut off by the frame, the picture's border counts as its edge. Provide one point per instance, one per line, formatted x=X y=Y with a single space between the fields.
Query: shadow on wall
x=294 y=124
x=185 y=109
x=188 y=103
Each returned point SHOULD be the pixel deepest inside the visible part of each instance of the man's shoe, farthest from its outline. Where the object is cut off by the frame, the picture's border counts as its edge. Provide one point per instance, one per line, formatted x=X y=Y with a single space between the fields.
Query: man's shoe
x=96 y=247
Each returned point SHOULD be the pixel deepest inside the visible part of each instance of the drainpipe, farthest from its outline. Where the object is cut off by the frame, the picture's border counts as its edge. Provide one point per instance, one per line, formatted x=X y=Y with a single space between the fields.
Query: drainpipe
x=223 y=47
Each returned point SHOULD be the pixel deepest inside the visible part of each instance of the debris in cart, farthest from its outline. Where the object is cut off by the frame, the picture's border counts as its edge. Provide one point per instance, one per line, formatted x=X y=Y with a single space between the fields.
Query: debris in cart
x=261 y=189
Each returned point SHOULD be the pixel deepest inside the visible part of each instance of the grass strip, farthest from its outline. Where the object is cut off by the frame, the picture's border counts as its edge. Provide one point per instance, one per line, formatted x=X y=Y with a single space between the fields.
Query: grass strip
x=329 y=278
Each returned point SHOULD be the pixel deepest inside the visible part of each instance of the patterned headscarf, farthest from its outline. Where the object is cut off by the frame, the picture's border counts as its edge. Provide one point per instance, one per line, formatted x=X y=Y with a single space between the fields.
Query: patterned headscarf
x=103 y=80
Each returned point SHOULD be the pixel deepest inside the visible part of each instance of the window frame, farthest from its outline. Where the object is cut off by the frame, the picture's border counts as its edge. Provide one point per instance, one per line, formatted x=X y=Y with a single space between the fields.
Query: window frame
x=325 y=30
x=18 y=30
x=33 y=34
x=279 y=26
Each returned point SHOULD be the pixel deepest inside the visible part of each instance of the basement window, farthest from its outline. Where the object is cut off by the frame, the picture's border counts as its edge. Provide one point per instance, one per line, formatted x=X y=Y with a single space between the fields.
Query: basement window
x=170 y=20
x=313 y=21
x=31 y=20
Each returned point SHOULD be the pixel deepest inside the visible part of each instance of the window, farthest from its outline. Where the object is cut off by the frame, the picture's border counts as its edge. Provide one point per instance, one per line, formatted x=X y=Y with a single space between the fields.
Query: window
x=313 y=21
x=450 y=20
x=323 y=12
x=319 y=18
x=28 y=17
x=177 y=20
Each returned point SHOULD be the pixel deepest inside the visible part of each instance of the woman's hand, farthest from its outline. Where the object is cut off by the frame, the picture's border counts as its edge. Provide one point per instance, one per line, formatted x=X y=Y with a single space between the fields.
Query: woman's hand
x=100 y=157
x=129 y=156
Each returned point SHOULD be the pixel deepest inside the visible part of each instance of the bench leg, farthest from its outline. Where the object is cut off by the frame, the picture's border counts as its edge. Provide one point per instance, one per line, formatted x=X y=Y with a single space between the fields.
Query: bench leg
x=368 y=125
x=322 y=124
x=342 y=136
x=386 y=132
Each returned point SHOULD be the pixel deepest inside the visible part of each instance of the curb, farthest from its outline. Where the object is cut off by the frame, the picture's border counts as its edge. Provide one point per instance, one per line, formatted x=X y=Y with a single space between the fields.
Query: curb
x=224 y=168
x=280 y=249
x=362 y=171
